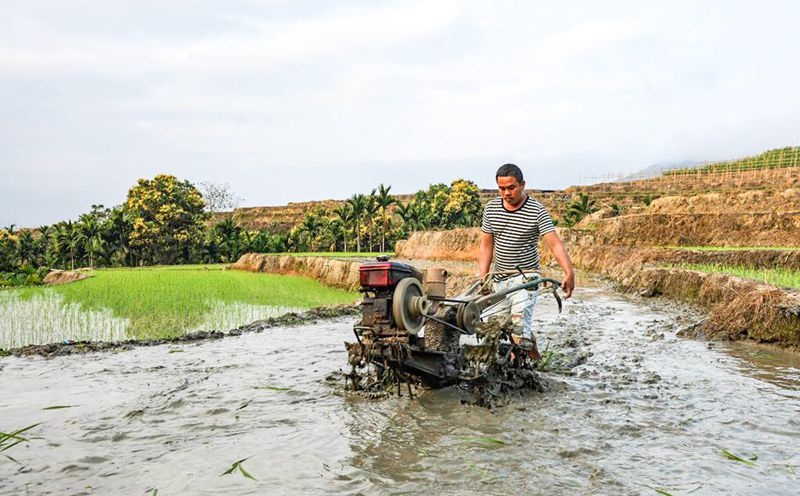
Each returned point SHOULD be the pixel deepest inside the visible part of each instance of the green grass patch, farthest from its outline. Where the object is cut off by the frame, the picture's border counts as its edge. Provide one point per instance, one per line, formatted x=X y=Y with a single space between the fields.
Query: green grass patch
x=166 y=301
x=786 y=278
x=733 y=248
x=336 y=254
x=771 y=159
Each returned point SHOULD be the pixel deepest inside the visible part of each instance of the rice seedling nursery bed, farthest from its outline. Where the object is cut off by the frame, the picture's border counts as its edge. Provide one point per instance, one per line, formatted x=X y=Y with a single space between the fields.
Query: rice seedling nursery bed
x=154 y=303
x=786 y=278
x=734 y=248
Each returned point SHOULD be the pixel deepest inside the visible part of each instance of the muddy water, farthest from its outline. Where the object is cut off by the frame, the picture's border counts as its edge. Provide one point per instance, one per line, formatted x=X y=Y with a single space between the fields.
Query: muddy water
x=641 y=410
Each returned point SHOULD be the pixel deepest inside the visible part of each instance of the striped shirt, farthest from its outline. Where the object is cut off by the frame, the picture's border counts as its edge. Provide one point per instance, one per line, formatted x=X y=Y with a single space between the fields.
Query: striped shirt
x=516 y=234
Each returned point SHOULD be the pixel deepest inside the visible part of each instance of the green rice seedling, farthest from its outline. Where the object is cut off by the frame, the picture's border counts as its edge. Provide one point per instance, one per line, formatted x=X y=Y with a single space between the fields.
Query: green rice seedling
x=788 y=278
x=273 y=388
x=222 y=315
x=733 y=456
x=483 y=440
x=10 y=439
x=238 y=466
x=154 y=303
x=46 y=317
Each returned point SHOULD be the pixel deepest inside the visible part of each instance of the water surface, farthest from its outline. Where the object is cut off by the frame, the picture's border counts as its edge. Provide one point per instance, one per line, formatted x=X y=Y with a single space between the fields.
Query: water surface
x=644 y=411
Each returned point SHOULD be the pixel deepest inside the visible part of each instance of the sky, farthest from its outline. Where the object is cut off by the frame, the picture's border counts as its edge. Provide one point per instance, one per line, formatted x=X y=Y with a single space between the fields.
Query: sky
x=306 y=100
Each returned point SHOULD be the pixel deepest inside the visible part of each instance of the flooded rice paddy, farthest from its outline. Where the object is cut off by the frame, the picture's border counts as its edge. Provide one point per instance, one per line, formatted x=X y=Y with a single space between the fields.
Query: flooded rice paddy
x=47 y=318
x=641 y=411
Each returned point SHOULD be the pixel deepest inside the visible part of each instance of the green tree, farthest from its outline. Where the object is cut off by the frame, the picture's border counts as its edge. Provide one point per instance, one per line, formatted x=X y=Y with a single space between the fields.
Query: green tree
x=358 y=203
x=370 y=211
x=27 y=248
x=384 y=200
x=229 y=239
x=579 y=209
x=167 y=217
x=91 y=230
x=344 y=214
x=9 y=250
x=310 y=229
x=463 y=205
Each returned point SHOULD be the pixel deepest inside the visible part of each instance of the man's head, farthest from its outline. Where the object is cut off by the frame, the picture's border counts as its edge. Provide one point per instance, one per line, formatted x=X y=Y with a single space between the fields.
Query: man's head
x=511 y=184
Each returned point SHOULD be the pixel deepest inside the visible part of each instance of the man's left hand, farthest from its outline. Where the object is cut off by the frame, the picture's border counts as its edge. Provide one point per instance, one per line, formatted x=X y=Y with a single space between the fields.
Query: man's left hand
x=567 y=285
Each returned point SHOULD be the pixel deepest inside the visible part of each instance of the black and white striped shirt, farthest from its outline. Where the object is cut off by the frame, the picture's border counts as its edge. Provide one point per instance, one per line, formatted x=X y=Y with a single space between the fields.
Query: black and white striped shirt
x=516 y=234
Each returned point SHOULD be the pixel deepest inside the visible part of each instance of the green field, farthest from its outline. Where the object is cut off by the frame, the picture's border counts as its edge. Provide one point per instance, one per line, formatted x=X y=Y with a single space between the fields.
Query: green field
x=771 y=159
x=732 y=248
x=154 y=302
x=777 y=277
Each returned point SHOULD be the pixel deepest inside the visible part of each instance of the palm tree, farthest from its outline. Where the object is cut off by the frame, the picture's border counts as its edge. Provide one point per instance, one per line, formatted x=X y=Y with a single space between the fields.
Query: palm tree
x=90 y=229
x=579 y=209
x=370 y=210
x=404 y=211
x=27 y=248
x=69 y=237
x=228 y=233
x=311 y=226
x=385 y=200
x=344 y=212
x=358 y=203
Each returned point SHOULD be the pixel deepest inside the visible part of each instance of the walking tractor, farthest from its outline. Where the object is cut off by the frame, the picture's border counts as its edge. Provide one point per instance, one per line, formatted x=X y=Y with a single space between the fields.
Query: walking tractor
x=410 y=332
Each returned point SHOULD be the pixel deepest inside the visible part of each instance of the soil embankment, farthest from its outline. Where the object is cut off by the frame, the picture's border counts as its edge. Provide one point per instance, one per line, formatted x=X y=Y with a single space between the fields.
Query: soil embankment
x=344 y=273
x=57 y=276
x=458 y=244
x=738 y=308
x=331 y=272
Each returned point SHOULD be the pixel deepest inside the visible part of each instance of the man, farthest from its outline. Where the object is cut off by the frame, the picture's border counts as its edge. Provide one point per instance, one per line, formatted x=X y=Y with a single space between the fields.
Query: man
x=512 y=225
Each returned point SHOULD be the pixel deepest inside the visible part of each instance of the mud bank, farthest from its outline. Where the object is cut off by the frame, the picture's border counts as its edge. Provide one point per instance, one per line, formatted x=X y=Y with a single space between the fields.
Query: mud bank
x=738 y=308
x=337 y=273
x=287 y=320
x=457 y=244
x=57 y=276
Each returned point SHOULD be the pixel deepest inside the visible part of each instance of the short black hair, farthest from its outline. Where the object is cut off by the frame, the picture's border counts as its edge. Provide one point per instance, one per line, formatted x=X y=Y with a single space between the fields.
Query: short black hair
x=509 y=170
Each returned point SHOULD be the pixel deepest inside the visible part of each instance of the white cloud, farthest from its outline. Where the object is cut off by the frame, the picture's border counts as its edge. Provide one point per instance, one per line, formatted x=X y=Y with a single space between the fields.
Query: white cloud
x=244 y=91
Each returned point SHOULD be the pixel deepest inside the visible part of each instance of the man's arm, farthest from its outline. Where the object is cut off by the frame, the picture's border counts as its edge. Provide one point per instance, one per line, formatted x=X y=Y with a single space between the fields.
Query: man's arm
x=562 y=257
x=486 y=253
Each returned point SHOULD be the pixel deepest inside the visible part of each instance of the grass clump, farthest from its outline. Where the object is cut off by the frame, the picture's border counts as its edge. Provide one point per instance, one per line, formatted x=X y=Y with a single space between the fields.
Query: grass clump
x=162 y=302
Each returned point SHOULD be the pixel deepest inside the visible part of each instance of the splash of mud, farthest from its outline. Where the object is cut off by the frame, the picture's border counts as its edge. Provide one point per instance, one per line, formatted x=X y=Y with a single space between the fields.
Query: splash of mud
x=492 y=370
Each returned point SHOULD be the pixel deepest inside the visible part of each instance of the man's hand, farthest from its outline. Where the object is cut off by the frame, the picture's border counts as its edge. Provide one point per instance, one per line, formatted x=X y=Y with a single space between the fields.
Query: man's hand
x=562 y=257
x=567 y=285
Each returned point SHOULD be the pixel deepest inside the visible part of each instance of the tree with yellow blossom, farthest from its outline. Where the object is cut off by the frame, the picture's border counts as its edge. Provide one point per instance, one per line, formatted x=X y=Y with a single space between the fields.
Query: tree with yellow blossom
x=167 y=218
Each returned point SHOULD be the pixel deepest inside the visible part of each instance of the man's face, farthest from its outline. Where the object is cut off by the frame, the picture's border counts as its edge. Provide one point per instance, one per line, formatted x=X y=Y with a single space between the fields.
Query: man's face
x=511 y=190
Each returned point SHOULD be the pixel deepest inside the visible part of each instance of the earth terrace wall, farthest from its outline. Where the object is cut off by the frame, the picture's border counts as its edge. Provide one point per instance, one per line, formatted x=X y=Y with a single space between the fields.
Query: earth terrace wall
x=693 y=229
x=458 y=244
x=738 y=308
x=336 y=273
